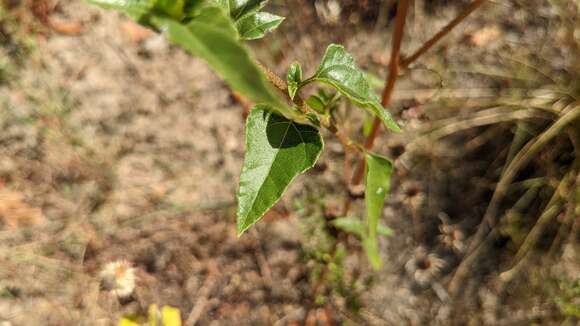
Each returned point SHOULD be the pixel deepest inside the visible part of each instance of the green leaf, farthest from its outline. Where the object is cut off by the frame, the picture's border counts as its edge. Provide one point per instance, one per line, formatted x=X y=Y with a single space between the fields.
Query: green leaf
x=313 y=118
x=250 y=23
x=367 y=124
x=173 y=8
x=212 y=36
x=374 y=81
x=322 y=101
x=224 y=4
x=209 y=33
x=356 y=226
x=277 y=150
x=384 y=231
x=215 y=18
x=135 y=9
x=338 y=70
x=255 y=26
x=315 y=102
x=293 y=78
x=351 y=225
x=192 y=7
x=239 y=9
x=377 y=183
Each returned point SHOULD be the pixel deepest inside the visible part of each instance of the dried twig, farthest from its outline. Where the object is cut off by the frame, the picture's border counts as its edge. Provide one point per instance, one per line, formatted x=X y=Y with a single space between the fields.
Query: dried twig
x=203 y=298
x=520 y=160
x=442 y=33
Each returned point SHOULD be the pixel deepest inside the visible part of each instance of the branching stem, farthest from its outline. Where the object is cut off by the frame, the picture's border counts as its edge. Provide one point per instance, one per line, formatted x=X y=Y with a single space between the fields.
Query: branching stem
x=282 y=86
x=442 y=33
x=398 y=32
x=394 y=67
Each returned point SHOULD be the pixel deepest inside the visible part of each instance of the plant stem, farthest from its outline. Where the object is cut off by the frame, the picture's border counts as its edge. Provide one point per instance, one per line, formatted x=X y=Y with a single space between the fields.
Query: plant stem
x=395 y=65
x=246 y=105
x=442 y=33
x=398 y=32
x=281 y=85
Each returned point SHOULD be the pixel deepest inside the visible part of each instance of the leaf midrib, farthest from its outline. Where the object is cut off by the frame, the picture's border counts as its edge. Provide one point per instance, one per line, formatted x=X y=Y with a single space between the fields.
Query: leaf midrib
x=290 y=123
x=320 y=72
x=332 y=82
x=271 y=165
x=373 y=105
x=256 y=27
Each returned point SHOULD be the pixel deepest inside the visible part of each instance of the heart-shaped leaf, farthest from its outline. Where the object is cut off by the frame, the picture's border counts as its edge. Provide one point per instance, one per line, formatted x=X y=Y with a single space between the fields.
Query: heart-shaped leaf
x=377 y=186
x=277 y=150
x=338 y=70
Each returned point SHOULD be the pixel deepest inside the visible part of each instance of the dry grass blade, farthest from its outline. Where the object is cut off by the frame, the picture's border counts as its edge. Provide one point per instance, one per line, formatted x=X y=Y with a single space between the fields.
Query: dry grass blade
x=523 y=157
x=573 y=210
x=520 y=160
x=565 y=190
x=521 y=204
x=554 y=207
x=523 y=256
x=483 y=118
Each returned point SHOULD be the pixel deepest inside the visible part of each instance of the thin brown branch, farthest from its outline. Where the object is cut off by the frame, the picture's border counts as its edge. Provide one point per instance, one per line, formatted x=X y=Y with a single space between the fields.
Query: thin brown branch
x=442 y=33
x=246 y=105
x=398 y=32
x=395 y=65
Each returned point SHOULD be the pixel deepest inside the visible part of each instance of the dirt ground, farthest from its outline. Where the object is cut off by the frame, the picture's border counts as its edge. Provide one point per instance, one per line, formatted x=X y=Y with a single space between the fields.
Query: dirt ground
x=116 y=146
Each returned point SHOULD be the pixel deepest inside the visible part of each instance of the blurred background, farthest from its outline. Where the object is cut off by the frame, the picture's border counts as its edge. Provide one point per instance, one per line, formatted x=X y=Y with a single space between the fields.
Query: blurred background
x=120 y=154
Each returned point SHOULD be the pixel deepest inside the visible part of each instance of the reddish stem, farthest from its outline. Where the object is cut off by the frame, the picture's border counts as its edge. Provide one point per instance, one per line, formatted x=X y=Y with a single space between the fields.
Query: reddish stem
x=395 y=65
x=442 y=33
x=398 y=32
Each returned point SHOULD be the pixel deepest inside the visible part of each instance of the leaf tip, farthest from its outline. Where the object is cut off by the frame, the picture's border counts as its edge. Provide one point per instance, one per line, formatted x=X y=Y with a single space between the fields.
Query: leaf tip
x=241 y=230
x=335 y=46
x=394 y=127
